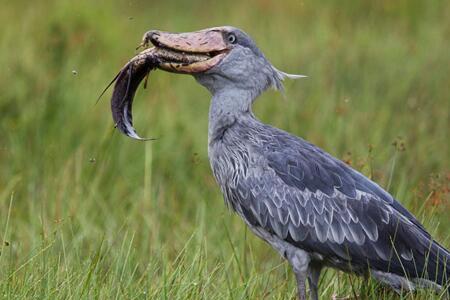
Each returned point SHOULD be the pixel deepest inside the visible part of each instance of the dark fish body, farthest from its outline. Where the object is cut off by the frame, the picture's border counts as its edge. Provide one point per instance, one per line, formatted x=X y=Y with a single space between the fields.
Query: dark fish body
x=127 y=82
x=131 y=75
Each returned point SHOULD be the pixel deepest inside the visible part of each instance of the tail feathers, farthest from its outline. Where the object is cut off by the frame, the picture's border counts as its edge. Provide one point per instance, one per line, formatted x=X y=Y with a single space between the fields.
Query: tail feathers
x=437 y=265
x=431 y=271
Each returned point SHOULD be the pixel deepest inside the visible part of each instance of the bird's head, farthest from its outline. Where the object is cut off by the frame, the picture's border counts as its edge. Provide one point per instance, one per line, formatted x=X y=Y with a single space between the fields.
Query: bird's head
x=223 y=59
x=232 y=59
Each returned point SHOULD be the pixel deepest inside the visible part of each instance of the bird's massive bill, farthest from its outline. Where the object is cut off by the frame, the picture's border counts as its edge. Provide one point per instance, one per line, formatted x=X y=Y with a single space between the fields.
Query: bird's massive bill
x=186 y=53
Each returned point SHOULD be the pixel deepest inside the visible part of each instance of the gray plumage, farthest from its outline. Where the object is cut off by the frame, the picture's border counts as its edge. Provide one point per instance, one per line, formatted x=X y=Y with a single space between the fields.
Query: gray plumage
x=311 y=207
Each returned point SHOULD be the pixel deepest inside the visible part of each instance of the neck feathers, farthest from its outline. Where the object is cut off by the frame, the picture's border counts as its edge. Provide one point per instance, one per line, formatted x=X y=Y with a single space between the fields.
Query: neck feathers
x=226 y=108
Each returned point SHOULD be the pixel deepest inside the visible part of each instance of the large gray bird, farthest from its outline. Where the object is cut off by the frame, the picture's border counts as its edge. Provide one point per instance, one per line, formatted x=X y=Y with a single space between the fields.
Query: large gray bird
x=315 y=210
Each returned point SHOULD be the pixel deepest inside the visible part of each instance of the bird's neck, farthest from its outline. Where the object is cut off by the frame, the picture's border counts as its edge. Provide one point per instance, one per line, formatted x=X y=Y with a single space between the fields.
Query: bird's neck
x=227 y=106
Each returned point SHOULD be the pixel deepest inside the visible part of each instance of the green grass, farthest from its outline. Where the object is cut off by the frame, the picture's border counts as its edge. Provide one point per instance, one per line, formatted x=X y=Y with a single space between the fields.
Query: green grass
x=88 y=213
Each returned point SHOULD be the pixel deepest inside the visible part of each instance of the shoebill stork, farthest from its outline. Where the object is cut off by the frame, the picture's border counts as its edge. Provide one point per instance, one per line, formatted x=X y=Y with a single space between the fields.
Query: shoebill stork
x=312 y=208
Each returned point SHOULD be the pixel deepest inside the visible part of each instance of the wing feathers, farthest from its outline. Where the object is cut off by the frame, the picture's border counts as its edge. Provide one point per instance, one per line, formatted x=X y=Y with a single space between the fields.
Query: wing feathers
x=304 y=196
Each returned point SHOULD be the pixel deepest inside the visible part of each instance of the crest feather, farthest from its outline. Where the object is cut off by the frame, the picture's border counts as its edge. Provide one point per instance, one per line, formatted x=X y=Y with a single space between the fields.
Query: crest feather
x=280 y=76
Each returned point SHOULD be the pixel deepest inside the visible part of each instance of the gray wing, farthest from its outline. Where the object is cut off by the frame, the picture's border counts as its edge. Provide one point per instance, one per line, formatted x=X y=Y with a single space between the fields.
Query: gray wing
x=314 y=201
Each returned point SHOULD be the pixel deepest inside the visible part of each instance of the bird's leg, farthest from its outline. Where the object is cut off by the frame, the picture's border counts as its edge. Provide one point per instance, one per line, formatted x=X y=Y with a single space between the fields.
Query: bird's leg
x=299 y=261
x=301 y=285
x=313 y=280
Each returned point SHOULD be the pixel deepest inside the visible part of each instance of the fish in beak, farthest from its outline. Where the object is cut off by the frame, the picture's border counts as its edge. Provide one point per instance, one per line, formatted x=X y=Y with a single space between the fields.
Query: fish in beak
x=185 y=53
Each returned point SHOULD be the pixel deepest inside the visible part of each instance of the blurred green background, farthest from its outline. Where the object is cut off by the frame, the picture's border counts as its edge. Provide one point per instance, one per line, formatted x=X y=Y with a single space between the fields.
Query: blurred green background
x=87 y=213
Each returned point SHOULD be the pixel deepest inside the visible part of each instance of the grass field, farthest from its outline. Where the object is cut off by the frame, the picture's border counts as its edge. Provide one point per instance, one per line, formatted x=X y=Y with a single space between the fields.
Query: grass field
x=86 y=213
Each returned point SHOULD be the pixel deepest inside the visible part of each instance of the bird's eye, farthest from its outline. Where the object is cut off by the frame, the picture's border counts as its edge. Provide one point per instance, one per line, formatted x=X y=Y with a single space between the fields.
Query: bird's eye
x=232 y=38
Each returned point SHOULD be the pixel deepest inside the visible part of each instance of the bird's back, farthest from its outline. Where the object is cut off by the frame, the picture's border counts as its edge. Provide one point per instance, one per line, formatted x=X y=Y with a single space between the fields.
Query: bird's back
x=294 y=190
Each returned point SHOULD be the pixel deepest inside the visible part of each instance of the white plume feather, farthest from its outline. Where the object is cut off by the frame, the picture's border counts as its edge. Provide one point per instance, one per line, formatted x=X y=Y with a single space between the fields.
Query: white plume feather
x=280 y=76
